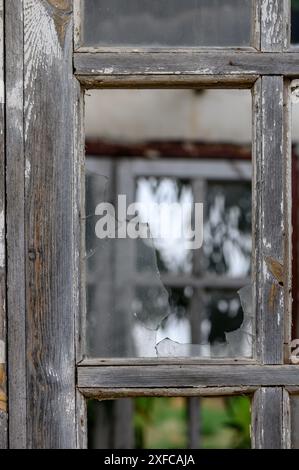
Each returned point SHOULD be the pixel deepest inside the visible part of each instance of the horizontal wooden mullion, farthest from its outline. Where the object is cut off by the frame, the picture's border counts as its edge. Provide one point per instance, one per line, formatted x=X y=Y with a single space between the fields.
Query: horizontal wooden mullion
x=212 y=67
x=190 y=376
x=115 y=393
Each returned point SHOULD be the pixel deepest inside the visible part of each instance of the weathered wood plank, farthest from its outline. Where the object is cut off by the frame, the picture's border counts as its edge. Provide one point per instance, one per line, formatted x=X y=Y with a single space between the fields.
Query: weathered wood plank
x=228 y=67
x=49 y=243
x=79 y=239
x=275 y=25
x=270 y=421
x=186 y=376
x=3 y=372
x=155 y=361
x=114 y=393
x=15 y=181
x=271 y=219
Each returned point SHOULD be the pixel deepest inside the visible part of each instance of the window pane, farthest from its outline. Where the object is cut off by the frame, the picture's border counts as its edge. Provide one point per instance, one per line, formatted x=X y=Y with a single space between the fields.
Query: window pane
x=170 y=423
x=167 y=23
x=295 y=22
x=169 y=276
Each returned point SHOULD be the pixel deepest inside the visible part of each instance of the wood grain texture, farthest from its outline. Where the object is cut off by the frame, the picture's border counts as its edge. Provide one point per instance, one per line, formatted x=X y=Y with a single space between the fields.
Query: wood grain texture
x=15 y=182
x=271 y=219
x=3 y=342
x=114 y=393
x=172 y=376
x=147 y=361
x=270 y=419
x=275 y=25
x=78 y=241
x=49 y=223
x=228 y=67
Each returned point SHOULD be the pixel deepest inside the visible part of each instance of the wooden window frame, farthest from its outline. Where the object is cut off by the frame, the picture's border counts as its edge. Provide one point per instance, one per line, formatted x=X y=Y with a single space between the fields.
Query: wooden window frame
x=42 y=193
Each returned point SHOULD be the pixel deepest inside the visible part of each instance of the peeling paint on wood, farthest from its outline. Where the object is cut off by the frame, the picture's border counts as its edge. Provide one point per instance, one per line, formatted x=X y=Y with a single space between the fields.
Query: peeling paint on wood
x=214 y=64
x=275 y=24
x=271 y=218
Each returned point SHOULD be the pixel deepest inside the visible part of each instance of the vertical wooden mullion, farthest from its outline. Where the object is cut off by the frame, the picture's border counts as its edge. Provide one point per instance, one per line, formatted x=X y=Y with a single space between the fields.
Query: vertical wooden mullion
x=275 y=25
x=15 y=183
x=3 y=372
x=256 y=23
x=78 y=243
x=272 y=229
x=270 y=420
x=50 y=220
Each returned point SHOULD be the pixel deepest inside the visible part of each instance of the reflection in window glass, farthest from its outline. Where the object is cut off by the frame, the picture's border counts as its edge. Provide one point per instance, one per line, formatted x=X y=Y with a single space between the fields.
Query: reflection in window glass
x=168 y=23
x=170 y=423
x=168 y=227
x=167 y=230
x=227 y=247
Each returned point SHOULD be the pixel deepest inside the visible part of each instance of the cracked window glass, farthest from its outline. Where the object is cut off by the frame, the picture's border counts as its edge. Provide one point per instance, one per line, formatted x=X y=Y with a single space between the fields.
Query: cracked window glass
x=153 y=292
x=168 y=23
x=167 y=233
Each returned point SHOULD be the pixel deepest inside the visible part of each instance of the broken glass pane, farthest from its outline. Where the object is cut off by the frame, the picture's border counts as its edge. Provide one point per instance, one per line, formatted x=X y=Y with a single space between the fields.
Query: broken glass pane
x=168 y=23
x=168 y=224
x=128 y=315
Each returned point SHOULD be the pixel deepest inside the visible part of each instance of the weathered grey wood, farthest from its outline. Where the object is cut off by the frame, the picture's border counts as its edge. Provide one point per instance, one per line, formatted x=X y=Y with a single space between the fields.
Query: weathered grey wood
x=78 y=24
x=3 y=384
x=193 y=422
x=165 y=80
x=160 y=376
x=114 y=393
x=229 y=68
x=78 y=174
x=15 y=181
x=137 y=361
x=51 y=281
x=271 y=219
x=270 y=419
x=275 y=25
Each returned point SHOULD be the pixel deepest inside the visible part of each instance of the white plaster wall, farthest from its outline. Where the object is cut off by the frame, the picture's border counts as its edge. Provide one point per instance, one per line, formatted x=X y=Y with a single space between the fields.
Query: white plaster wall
x=212 y=115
